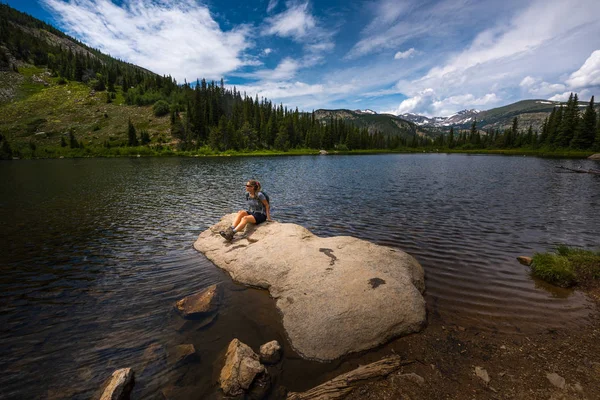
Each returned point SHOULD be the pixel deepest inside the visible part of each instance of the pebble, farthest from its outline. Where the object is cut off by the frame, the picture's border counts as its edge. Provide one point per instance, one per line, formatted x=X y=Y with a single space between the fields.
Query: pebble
x=556 y=380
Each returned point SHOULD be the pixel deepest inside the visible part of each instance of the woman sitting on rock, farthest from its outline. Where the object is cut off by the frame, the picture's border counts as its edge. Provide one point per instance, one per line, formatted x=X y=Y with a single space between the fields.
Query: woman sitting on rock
x=258 y=211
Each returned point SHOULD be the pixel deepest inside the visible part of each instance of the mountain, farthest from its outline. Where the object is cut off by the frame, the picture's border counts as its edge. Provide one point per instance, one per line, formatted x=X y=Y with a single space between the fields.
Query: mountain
x=528 y=112
x=387 y=124
x=460 y=118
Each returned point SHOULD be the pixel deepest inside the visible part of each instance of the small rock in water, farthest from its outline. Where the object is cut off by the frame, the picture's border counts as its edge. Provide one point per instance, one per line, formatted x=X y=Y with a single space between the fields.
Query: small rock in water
x=482 y=374
x=199 y=304
x=525 y=260
x=556 y=380
x=270 y=352
x=241 y=367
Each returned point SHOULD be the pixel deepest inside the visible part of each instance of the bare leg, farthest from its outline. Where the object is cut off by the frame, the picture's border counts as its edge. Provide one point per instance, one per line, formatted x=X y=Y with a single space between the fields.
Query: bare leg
x=241 y=214
x=245 y=220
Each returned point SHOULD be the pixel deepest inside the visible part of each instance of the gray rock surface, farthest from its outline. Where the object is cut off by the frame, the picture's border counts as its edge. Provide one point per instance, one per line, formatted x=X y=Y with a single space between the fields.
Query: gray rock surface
x=337 y=295
x=240 y=369
x=270 y=352
x=119 y=385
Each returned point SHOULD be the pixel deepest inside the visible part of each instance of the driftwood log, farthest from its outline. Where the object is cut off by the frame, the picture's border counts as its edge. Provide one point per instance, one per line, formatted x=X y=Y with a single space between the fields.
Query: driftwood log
x=342 y=385
x=581 y=171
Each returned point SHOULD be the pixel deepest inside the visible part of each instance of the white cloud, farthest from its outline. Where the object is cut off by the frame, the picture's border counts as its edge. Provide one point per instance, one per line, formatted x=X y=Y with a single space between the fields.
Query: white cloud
x=267 y=51
x=285 y=70
x=498 y=58
x=272 y=5
x=428 y=103
x=404 y=54
x=561 y=96
x=177 y=38
x=588 y=74
x=528 y=81
x=296 y=22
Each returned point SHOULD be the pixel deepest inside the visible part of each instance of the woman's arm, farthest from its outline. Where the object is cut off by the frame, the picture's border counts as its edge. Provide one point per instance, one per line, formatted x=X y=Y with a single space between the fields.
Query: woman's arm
x=267 y=209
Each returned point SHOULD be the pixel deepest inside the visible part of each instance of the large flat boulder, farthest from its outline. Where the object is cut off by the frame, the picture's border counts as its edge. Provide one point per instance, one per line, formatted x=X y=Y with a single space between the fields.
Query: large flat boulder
x=337 y=295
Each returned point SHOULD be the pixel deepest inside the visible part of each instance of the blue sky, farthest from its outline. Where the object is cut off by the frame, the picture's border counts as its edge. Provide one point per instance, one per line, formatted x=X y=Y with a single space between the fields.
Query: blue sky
x=427 y=57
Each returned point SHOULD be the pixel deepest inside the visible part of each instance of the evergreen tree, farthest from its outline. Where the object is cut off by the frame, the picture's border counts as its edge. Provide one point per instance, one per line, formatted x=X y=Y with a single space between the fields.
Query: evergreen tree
x=282 y=141
x=72 y=141
x=568 y=125
x=451 y=138
x=132 y=139
x=586 y=130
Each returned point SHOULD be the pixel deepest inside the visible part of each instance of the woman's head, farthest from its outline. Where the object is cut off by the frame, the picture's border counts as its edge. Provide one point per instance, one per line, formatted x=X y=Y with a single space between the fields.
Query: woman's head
x=253 y=186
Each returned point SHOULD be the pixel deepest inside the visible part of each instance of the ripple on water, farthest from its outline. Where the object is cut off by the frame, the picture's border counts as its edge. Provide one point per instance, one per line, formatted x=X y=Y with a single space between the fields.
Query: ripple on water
x=95 y=252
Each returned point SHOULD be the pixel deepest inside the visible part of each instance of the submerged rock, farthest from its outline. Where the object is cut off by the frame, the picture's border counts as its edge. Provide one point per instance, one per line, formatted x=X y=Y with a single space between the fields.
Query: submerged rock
x=119 y=385
x=337 y=295
x=241 y=367
x=182 y=354
x=200 y=304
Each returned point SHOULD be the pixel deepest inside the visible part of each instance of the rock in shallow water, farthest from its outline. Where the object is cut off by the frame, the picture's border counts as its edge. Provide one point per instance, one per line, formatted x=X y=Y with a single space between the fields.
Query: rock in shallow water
x=119 y=385
x=200 y=304
x=270 y=352
x=337 y=295
x=241 y=367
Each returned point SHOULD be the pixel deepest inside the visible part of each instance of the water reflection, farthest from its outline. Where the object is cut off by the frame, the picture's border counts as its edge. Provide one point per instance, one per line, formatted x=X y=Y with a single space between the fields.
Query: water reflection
x=95 y=252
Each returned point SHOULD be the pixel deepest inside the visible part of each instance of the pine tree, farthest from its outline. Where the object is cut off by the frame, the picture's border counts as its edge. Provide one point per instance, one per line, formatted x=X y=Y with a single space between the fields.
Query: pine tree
x=72 y=141
x=586 y=130
x=131 y=134
x=451 y=138
x=568 y=125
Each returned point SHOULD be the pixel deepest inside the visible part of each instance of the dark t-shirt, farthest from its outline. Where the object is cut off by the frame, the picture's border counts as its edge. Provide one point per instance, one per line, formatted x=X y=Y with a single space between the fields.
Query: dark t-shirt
x=256 y=204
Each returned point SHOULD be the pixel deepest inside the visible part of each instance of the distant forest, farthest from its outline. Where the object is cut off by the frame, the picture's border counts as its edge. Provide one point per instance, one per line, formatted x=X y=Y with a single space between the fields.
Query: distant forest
x=208 y=114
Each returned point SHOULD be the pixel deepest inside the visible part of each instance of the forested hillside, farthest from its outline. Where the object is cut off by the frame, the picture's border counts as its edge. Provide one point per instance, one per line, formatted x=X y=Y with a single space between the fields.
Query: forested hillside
x=44 y=70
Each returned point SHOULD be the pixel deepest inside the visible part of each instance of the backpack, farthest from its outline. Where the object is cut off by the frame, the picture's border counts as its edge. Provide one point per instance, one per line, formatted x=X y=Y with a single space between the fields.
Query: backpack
x=264 y=194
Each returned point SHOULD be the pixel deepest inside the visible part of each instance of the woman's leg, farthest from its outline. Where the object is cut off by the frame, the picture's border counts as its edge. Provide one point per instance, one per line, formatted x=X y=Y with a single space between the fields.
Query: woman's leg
x=245 y=220
x=241 y=214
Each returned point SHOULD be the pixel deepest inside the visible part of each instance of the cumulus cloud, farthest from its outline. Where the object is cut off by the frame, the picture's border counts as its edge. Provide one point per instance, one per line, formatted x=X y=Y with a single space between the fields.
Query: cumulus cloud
x=267 y=51
x=177 y=38
x=404 y=54
x=500 y=59
x=588 y=74
x=539 y=87
x=427 y=102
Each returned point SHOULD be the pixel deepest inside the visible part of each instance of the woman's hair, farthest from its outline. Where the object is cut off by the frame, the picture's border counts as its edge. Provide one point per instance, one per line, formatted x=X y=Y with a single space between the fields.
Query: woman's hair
x=256 y=184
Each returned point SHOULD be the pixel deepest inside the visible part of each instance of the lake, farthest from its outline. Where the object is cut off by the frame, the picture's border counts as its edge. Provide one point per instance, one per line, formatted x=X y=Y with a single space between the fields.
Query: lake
x=95 y=252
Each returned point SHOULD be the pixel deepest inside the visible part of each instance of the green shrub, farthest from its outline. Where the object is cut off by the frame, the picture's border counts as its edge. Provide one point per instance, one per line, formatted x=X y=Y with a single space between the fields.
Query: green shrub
x=553 y=268
x=161 y=108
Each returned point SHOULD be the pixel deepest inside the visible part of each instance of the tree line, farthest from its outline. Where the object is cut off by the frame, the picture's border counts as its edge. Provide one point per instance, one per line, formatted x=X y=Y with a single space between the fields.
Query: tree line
x=565 y=128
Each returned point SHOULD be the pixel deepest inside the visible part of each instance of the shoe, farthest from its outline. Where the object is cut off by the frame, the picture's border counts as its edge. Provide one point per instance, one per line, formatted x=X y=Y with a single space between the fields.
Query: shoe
x=227 y=234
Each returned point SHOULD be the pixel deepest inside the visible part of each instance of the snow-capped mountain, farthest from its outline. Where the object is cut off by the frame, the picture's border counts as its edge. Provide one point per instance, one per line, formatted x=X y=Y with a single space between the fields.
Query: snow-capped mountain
x=367 y=111
x=460 y=118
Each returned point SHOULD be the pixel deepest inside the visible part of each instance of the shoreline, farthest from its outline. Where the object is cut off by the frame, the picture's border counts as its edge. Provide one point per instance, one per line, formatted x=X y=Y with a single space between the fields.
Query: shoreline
x=312 y=152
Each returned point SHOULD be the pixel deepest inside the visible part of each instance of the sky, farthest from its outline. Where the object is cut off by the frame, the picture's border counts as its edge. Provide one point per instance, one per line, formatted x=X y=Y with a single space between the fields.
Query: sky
x=432 y=58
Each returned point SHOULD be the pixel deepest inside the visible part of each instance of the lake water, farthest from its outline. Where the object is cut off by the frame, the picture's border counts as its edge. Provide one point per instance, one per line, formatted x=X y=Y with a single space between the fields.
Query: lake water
x=94 y=252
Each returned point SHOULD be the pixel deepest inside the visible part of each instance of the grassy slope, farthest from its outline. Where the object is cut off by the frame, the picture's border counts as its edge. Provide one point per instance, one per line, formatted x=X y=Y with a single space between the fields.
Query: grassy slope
x=56 y=109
